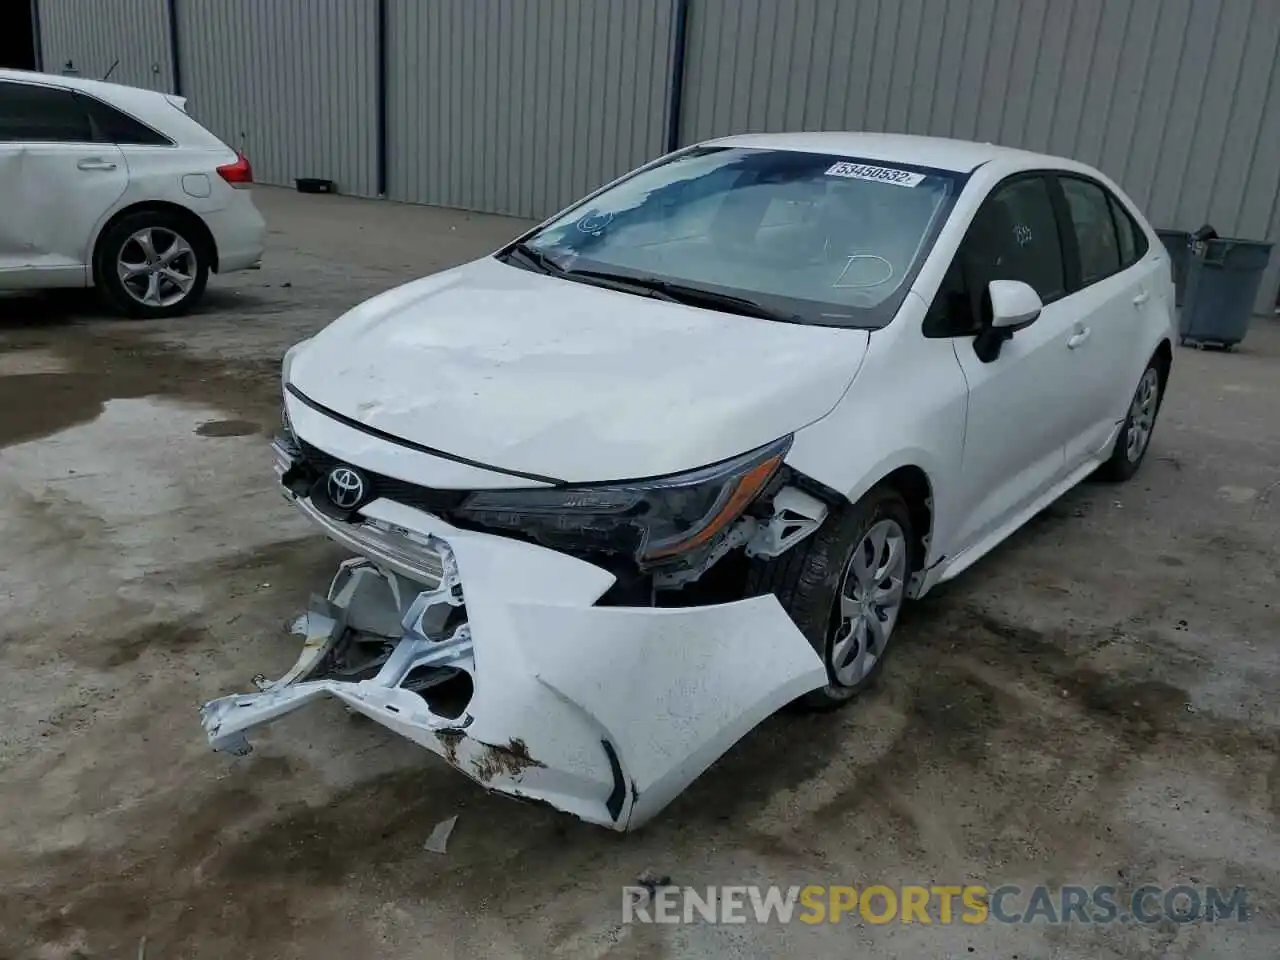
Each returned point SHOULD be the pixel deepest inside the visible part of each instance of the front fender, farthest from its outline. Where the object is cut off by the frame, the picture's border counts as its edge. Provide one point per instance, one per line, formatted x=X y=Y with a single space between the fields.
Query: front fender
x=907 y=407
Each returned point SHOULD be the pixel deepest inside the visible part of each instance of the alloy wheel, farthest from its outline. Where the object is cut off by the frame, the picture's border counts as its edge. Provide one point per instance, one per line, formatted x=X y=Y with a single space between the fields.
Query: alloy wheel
x=870 y=598
x=157 y=267
x=1142 y=415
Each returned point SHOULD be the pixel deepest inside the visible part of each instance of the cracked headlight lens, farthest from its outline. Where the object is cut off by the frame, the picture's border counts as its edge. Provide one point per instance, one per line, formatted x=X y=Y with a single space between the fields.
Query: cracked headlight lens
x=655 y=519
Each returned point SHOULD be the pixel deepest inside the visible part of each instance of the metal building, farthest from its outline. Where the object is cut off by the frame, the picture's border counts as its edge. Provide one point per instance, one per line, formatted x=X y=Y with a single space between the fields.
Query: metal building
x=519 y=106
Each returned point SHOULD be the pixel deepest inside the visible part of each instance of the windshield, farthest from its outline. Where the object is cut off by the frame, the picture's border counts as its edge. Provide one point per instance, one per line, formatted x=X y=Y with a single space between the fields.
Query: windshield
x=813 y=238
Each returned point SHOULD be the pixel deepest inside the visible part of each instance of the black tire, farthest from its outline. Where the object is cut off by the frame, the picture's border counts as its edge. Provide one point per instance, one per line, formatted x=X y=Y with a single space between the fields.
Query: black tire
x=117 y=239
x=807 y=580
x=1120 y=466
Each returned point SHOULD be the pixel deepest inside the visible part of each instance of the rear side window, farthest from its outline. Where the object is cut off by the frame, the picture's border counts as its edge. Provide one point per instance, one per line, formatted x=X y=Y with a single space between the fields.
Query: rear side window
x=112 y=126
x=1095 y=230
x=1133 y=242
x=35 y=114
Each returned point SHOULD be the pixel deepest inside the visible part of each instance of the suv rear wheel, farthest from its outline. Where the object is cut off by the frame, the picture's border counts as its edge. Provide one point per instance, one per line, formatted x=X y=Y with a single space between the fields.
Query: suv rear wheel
x=151 y=264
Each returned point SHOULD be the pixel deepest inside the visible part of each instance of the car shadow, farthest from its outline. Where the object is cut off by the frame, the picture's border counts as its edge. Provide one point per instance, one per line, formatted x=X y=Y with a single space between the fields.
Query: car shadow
x=224 y=300
x=50 y=308
x=21 y=311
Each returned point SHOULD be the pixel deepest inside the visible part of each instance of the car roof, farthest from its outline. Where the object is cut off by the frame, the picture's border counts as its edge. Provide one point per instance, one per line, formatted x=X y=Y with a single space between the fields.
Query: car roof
x=961 y=156
x=111 y=92
x=154 y=107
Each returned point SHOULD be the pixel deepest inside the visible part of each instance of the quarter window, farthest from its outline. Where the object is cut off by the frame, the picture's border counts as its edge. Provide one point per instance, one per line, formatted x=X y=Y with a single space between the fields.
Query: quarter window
x=1094 y=228
x=36 y=114
x=112 y=126
x=1133 y=242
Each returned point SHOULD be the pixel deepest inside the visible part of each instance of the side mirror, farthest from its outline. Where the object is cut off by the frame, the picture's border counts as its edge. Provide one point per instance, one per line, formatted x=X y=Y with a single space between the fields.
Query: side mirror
x=1014 y=305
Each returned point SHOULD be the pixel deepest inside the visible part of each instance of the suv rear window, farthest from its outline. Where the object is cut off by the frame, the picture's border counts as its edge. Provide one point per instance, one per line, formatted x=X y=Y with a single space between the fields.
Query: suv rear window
x=112 y=126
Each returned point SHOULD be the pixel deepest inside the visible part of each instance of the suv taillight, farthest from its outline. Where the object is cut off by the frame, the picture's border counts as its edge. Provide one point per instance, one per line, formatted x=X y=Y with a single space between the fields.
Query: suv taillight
x=238 y=174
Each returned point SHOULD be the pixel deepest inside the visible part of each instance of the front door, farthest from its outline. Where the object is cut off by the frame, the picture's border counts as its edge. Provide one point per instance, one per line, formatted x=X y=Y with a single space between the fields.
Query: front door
x=56 y=186
x=1020 y=403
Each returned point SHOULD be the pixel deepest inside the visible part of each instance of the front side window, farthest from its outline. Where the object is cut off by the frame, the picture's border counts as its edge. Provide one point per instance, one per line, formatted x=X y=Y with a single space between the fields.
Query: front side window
x=36 y=114
x=817 y=238
x=1095 y=231
x=1013 y=236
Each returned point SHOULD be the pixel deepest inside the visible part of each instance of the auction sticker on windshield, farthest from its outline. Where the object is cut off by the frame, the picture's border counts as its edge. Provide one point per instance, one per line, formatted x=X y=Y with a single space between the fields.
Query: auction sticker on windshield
x=861 y=171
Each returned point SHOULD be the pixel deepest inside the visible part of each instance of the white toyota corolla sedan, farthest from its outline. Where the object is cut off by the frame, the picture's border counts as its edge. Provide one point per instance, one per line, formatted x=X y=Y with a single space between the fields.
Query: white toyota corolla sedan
x=677 y=457
x=117 y=187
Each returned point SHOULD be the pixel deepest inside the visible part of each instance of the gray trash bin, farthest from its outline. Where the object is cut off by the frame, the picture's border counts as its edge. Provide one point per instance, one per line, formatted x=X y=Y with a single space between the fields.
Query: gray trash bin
x=1222 y=284
x=1178 y=244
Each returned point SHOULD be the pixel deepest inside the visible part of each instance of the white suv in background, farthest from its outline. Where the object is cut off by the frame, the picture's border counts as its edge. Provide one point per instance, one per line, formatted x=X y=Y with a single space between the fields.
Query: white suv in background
x=117 y=187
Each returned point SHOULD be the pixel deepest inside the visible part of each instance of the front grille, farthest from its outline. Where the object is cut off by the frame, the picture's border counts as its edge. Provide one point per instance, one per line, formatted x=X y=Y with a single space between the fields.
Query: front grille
x=428 y=499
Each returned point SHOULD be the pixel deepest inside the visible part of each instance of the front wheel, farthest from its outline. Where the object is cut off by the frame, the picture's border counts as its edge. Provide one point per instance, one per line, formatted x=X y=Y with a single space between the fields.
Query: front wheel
x=1135 y=434
x=844 y=587
x=150 y=264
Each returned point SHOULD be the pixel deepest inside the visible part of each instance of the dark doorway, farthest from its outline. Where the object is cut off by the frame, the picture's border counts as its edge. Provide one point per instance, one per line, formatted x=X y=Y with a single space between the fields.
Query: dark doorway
x=18 y=36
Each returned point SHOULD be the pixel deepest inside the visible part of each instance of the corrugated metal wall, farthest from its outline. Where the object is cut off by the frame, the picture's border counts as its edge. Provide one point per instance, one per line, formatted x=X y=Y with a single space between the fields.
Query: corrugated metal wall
x=1178 y=100
x=291 y=82
x=94 y=34
x=521 y=106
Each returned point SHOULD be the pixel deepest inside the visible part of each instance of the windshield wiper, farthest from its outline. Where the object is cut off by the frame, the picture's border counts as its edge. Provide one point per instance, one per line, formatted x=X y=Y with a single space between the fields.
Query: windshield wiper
x=535 y=258
x=691 y=296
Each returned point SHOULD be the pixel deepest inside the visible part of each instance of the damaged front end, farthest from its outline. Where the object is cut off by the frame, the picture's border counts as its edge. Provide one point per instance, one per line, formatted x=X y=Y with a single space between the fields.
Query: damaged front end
x=498 y=654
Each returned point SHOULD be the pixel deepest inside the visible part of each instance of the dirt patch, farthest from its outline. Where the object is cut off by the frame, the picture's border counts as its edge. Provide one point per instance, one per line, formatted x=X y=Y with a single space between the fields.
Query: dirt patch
x=449 y=741
x=107 y=652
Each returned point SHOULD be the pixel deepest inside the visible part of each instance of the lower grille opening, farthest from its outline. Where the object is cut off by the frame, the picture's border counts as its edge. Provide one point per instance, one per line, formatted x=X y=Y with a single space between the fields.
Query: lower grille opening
x=447 y=691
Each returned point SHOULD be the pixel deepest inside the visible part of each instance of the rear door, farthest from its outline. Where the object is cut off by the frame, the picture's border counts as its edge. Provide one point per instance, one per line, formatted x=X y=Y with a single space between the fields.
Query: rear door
x=1019 y=404
x=56 y=185
x=1113 y=290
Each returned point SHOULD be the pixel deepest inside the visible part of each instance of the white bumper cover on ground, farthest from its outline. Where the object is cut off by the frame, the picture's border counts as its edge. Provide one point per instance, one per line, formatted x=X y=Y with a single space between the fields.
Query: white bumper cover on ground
x=604 y=712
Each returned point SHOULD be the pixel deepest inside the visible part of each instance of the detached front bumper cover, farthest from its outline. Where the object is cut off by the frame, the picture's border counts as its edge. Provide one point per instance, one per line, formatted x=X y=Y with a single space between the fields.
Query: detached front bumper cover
x=603 y=712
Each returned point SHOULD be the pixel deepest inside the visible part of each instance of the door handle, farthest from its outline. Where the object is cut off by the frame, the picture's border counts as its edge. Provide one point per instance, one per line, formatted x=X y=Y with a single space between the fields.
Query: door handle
x=1077 y=338
x=96 y=163
x=1141 y=298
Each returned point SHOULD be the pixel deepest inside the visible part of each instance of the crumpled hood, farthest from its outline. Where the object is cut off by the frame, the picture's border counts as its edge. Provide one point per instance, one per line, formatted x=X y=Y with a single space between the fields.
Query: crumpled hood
x=532 y=373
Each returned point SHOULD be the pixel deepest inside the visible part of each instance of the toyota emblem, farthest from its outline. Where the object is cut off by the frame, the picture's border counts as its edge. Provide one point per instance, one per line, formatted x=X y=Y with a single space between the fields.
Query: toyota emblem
x=345 y=488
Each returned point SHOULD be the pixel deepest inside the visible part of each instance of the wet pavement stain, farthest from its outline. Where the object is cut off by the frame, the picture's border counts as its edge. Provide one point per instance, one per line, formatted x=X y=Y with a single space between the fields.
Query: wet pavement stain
x=38 y=405
x=108 y=653
x=123 y=366
x=228 y=428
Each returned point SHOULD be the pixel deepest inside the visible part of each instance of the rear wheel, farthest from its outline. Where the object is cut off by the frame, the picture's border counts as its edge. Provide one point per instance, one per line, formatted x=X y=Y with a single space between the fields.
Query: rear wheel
x=844 y=587
x=151 y=264
x=1135 y=435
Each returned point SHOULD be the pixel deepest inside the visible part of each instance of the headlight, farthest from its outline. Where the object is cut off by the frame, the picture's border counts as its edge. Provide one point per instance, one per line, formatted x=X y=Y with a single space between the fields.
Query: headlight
x=654 y=519
x=287 y=363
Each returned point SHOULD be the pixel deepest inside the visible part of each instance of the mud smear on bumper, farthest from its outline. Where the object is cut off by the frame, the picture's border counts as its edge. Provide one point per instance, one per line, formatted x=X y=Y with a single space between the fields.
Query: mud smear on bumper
x=494 y=761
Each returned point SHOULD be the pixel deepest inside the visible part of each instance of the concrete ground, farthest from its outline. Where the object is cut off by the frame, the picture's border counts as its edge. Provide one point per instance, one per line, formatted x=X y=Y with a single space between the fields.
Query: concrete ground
x=1095 y=703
